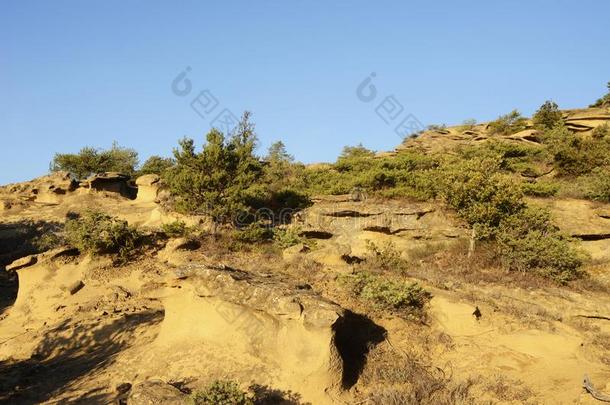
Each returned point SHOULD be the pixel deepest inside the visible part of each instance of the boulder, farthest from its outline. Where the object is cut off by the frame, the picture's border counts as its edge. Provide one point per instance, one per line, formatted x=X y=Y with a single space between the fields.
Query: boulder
x=154 y=392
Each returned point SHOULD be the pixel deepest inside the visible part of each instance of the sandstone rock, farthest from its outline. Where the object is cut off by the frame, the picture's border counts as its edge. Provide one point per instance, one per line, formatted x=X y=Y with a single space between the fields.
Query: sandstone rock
x=117 y=293
x=583 y=220
x=23 y=262
x=342 y=229
x=181 y=244
x=45 y=189
x=257 y=319
x=176 y=250
x=75 y=287
x=293 y=252
x=148 y=188
x=528 y=135
x=147 y=180
x=110 y=181
x=156 y=392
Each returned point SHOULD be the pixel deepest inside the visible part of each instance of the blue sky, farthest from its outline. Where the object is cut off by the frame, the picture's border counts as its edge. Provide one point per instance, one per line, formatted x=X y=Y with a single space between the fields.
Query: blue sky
x=76 y=73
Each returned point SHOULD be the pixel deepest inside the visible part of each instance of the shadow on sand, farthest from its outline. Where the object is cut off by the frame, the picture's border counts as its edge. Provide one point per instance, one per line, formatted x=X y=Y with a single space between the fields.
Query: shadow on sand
x=68 y=352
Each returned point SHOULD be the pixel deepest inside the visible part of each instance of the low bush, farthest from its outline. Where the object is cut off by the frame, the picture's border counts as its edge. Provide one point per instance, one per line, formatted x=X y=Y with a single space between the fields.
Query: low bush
x=480 y=194
x=507 y=124
x=255 y=232
x=601 y=131
x=175 y=229
x=529 y=241
x=599 y=185
x=384 y=257
x=96 y=232
x=540 y=189
x=286 y=237
x=468 y=125
x=576 y=155
x=388 y=294
x=221 y=392
x=437 y=127
x=48 y=241
x=408 y=174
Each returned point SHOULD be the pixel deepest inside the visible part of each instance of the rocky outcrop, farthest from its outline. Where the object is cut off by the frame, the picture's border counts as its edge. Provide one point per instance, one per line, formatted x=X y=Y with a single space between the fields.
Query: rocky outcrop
x=113 y=182
x=148 y=188
x=176 y=251
x=585 y=220
x=45 y=189
x=584 y=120
x=343 y=227
x=293 y=338
x=579 y=120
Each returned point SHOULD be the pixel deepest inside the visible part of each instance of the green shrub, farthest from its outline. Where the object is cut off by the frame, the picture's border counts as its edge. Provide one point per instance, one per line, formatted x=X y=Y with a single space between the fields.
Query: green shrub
x=175 y=229
x=601 y=131
x=221 y=393
x=47 y=241
x=286 y=237
x=599 y=183
x=255 y=232
x=540 y=189
x=468 y=125
x=156 y=165
x=384 y=257
x=388 y=294
x=216 y=181
x=528 y=241
x=356 y=159
x=547 y=116
x=96 y=232
x=90 y=161
x=576 y=155
x=437 y=127
x=480 y=194
x=508 y=124
x=408 y=174
x=512 y=157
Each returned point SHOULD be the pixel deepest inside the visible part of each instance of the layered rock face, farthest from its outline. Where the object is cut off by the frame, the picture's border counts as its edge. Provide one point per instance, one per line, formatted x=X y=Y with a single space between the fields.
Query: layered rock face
x=343 y=228
x=53 y=188
x=214 y=321
x=45 y=189
x=292 y=337
x=579 y=120
x=112 y=182
x=586 y=221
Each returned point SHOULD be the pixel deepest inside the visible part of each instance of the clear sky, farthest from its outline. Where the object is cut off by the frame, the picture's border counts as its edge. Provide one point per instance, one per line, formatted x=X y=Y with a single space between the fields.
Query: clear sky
x=77 y=73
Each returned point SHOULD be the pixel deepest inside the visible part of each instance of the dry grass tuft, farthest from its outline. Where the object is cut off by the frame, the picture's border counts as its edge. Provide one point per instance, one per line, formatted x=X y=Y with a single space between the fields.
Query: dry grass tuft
x=392 y=377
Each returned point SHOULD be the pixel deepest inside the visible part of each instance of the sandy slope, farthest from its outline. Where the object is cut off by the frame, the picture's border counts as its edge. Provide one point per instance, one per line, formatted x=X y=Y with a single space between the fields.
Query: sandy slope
x=142 y=321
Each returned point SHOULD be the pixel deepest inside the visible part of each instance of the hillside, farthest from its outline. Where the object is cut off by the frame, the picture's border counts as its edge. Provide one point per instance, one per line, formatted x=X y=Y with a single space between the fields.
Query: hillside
x=470 y=265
